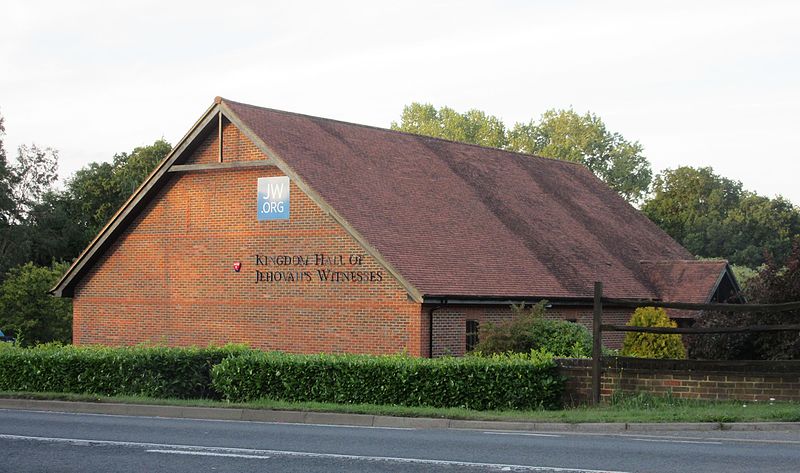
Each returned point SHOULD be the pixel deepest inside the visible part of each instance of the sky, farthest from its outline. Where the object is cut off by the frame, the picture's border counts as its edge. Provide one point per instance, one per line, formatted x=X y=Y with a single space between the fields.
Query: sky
x=696 y=83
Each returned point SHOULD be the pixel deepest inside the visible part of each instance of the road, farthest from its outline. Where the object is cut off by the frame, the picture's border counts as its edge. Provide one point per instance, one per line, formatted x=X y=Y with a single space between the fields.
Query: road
x=32 y=441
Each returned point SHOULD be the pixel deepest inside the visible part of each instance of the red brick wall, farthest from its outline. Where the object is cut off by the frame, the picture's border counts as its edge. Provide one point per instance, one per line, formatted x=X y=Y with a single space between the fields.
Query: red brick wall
x=449 y=323
x=169 y=277
x=693 y=379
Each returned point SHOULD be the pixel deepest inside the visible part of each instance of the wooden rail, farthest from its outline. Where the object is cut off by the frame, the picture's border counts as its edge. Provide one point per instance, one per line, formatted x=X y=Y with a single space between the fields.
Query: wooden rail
x=598 y=327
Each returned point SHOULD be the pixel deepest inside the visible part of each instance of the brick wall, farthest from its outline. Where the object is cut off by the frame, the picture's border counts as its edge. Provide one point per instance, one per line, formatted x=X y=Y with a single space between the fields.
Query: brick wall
x=449 y=323
x=694 y=379
x=169 y=277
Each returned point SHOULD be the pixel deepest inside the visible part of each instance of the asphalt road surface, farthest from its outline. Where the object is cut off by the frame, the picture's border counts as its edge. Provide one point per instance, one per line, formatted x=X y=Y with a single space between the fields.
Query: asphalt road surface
x=33 y=441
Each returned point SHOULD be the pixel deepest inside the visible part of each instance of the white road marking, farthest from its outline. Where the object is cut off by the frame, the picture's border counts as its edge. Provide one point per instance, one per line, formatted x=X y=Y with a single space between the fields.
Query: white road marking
x=678 y=441
x=717 y=439
x=290 y=453
x=528 y=434
x=208 y=454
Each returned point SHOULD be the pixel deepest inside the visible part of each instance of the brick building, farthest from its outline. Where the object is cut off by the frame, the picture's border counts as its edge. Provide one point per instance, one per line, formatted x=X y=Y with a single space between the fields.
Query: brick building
x=304 y=234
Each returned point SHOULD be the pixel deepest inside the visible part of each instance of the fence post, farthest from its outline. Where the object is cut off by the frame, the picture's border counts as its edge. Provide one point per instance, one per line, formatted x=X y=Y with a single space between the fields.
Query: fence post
x=597 y=341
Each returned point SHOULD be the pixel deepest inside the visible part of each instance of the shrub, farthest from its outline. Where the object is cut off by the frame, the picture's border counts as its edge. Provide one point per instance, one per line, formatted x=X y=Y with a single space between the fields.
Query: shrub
x=28 y=312
x=528 y=330
x=652 y=345
x=776 y=282
x=500 y=382
x=139 y=371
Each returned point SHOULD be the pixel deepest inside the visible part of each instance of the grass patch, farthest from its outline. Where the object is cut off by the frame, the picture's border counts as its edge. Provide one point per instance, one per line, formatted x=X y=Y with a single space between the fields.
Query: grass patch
x=631 y=409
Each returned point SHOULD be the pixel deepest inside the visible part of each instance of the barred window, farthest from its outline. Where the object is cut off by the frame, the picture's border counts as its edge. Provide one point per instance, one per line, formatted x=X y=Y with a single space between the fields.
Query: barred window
x=472 y=334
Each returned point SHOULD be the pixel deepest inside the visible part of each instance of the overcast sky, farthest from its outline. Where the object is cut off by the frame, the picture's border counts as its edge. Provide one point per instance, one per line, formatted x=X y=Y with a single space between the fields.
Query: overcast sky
x=697 y=83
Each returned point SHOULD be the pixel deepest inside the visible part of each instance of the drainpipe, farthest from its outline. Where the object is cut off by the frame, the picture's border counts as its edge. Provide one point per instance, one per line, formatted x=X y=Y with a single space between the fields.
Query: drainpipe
x=430 y=327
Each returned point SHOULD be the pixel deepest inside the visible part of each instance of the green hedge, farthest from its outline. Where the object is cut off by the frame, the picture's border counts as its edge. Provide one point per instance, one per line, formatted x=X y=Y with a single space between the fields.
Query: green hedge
x=500 y=382
x=137 y=371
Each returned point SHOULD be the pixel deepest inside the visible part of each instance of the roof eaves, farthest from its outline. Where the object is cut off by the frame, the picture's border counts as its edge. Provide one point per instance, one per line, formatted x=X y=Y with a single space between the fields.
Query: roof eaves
x=65 y=286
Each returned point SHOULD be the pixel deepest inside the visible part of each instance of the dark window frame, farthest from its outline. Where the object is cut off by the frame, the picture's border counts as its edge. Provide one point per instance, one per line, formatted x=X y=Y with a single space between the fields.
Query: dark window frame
x=472 y=328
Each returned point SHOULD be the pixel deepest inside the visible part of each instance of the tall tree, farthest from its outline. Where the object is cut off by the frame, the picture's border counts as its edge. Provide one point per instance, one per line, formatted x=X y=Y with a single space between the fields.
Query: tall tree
x=564 y=134
x=473 y=126
x=559 y=134
x=22 y=185
x=7 y=207
x=713 y=216
x=54 y=230
x=99 y=189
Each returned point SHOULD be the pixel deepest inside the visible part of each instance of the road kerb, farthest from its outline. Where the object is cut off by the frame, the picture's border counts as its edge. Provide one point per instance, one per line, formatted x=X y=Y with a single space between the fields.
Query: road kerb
x=366 y=420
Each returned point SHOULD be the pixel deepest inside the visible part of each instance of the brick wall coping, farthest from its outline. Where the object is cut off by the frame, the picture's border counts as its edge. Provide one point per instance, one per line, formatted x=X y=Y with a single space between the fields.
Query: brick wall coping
x=705 y=366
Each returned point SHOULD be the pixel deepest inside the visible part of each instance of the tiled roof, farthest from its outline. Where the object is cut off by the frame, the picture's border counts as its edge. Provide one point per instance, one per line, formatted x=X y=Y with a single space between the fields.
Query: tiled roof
x=453 y=219
x=462 y=220
x=685 y=281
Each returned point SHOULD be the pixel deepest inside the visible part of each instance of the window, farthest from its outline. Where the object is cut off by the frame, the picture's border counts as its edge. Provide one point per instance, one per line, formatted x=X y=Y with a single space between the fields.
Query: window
x=472 y=334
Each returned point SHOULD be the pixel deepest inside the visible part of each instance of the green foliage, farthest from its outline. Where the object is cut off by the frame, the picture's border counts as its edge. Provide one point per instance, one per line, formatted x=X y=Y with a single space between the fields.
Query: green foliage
x=651 y=345
x=559 y=134
x=714 y=217
x=498 y=382
x=99 y=189
x=473 y=126
x=22 y=184
x=778 y=281
x=54 y=231
x=41 y=224
x=743 y=274
x=566 y=135
x=756 y=226
x=139 y=371
x=528 y=330
x=28 y=312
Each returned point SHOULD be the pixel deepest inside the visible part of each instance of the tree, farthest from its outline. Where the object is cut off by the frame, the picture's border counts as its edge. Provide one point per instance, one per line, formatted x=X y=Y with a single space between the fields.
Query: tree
x=100 y=189
x=7 y=207
x=559 y=134
x=131 y=169
x=584 y=139
x=35 y=173
x=22 y=185
x=713 y=216
x=93 y=190
x=54 y=230
x=756 y=225
x=28 y=312
x=473 y=126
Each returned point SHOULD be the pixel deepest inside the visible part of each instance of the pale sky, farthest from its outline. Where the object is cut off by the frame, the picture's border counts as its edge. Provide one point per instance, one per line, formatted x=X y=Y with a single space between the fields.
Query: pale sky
x=697 y=83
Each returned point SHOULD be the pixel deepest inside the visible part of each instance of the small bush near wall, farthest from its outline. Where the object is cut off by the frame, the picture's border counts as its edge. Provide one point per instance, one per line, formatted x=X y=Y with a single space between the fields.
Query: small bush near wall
x=529 y=330
x=139 y=371
x=500 y=382
x=651 y=345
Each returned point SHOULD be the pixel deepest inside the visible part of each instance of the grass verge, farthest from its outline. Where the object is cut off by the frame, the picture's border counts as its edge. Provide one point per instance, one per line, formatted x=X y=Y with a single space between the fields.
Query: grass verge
x=631 y=409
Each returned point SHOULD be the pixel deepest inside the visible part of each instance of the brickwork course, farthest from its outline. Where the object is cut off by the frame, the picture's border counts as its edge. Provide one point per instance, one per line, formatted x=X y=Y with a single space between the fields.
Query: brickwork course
x=393 y=242
x=756 y=381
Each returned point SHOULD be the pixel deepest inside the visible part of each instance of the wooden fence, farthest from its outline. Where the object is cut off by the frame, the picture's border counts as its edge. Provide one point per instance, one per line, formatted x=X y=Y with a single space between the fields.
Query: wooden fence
x=598 y=327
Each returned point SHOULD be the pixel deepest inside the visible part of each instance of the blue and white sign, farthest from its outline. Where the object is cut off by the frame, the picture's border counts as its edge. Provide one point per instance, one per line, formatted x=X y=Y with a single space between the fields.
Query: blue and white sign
x=273 y=198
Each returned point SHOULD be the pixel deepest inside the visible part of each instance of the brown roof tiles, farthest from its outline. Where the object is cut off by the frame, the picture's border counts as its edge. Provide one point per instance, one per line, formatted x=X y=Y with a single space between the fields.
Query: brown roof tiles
x=453 y=219
x=463 y=220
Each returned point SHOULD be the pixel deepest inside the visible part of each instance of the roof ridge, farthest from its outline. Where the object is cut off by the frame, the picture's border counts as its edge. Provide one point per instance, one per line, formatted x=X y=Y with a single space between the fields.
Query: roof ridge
x=219 y=99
